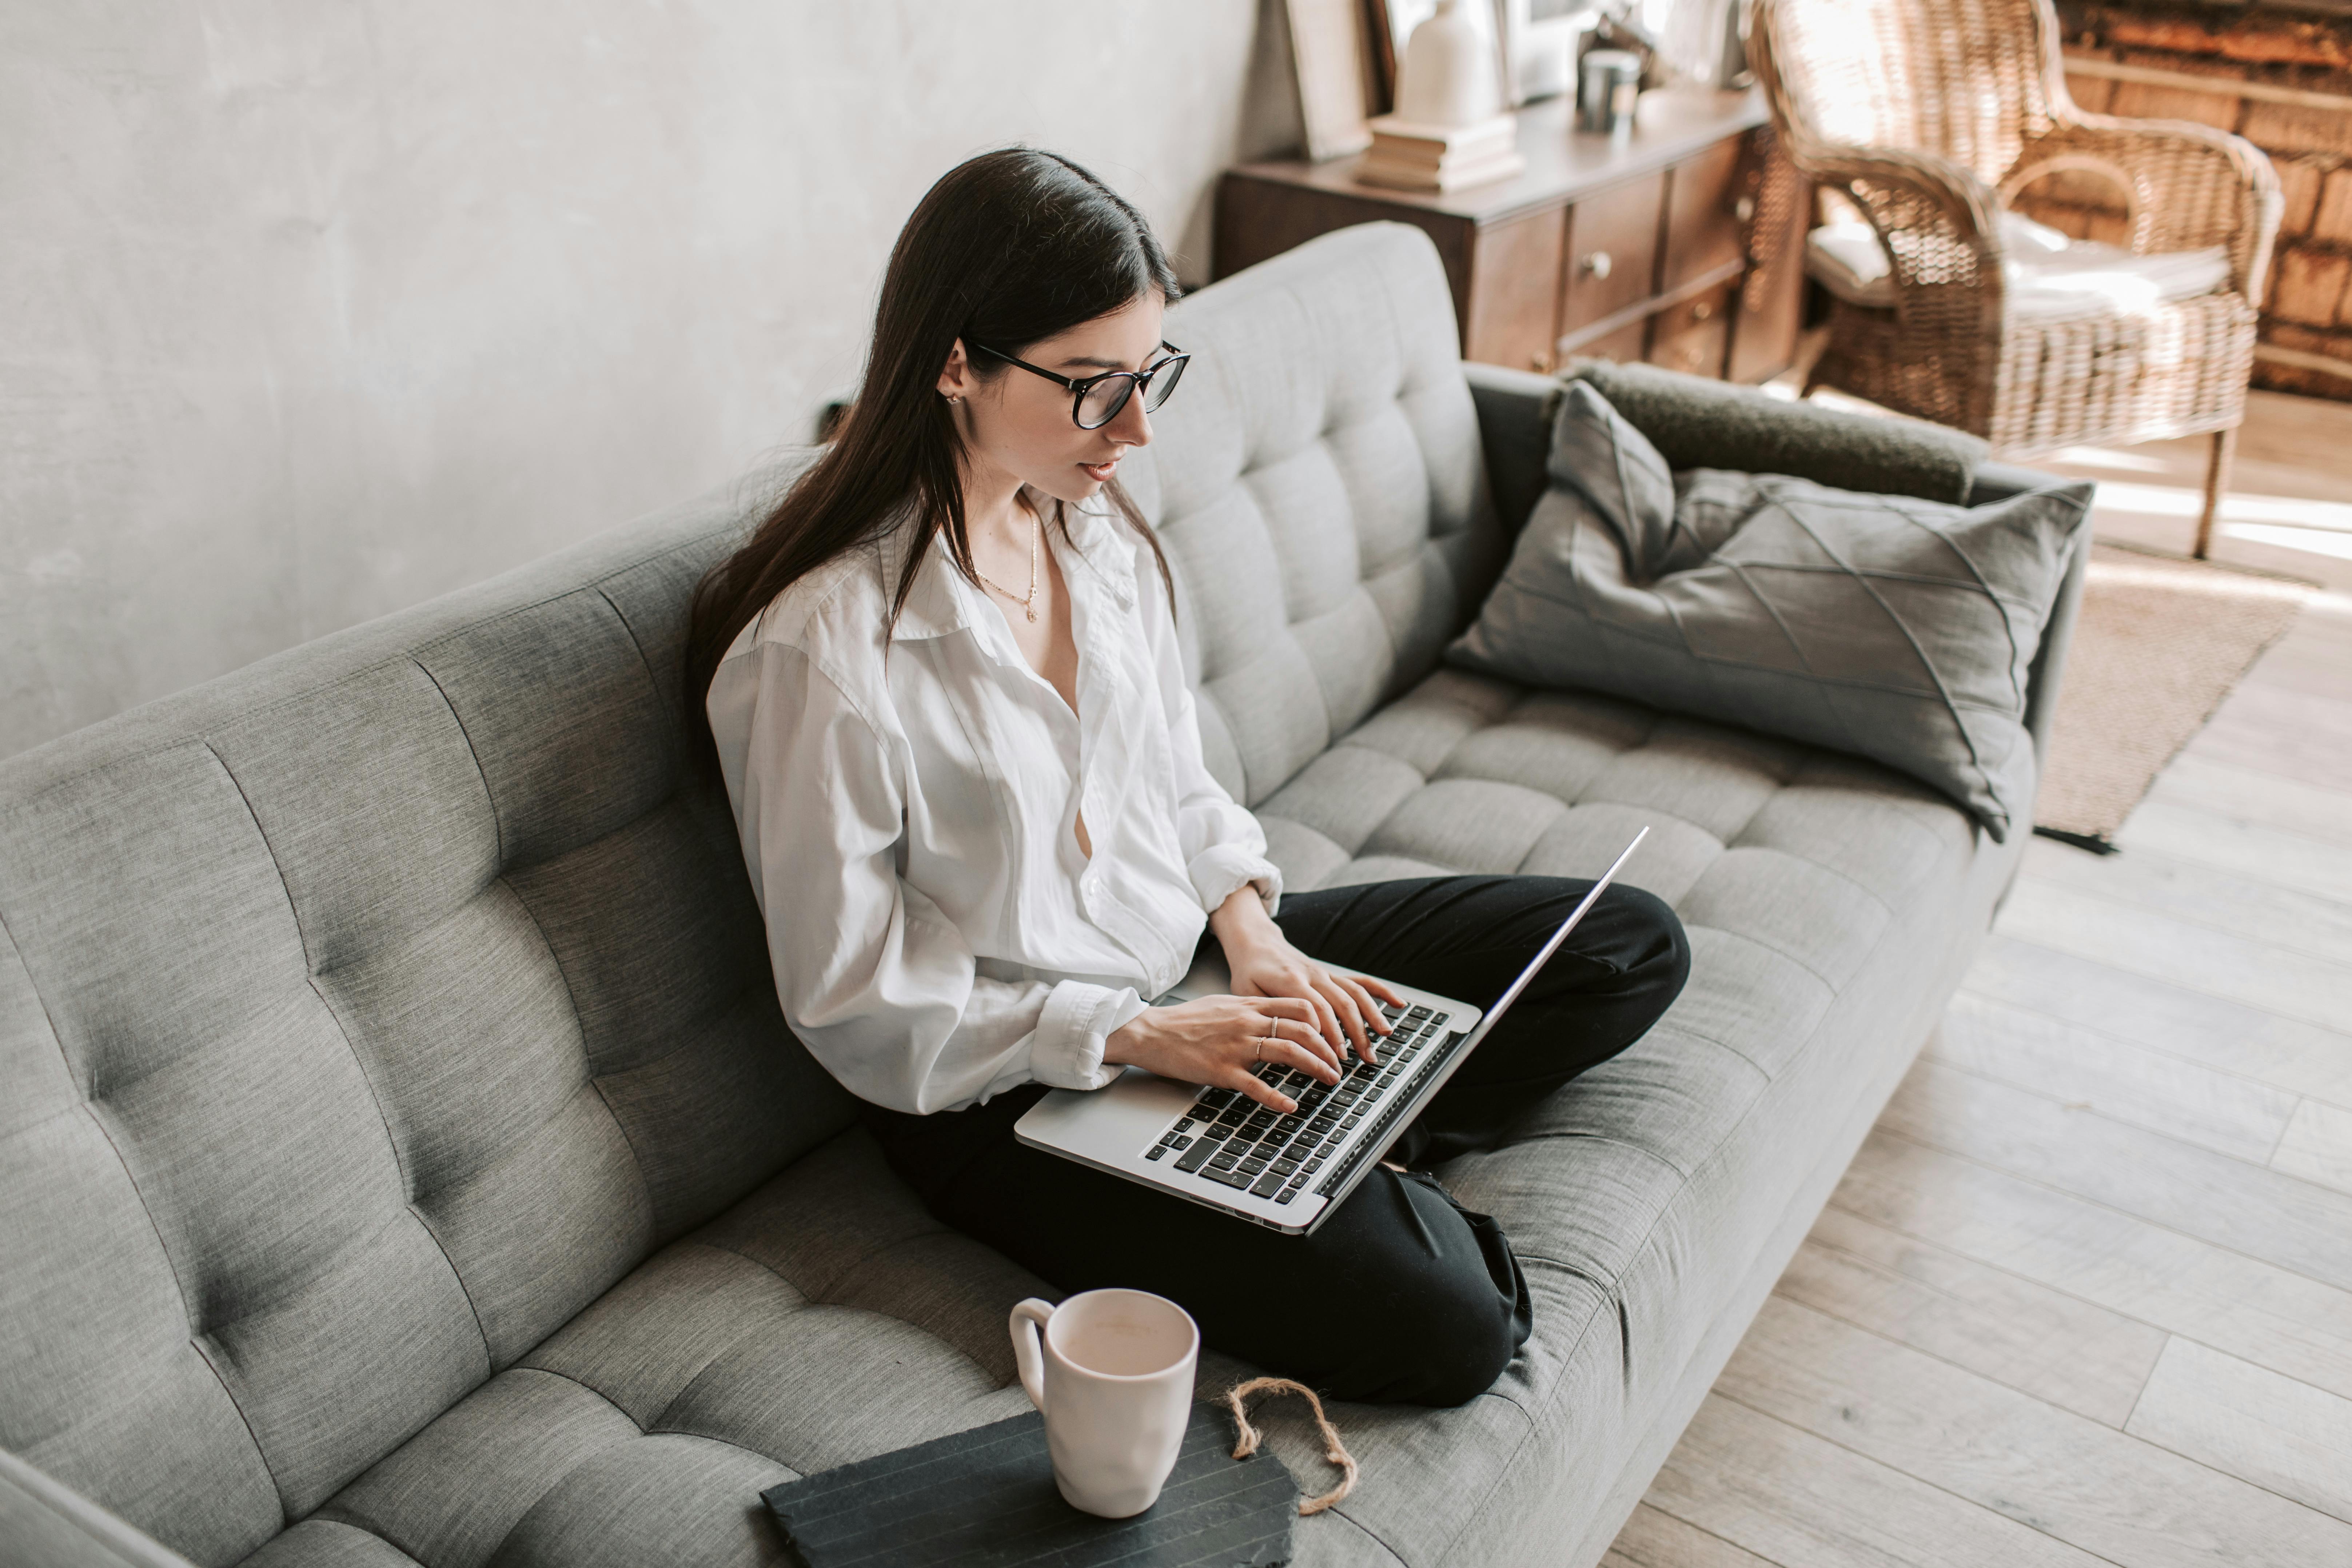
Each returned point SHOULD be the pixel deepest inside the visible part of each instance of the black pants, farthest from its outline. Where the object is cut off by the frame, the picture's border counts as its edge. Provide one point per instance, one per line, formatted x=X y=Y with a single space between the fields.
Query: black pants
x=1401 y=1294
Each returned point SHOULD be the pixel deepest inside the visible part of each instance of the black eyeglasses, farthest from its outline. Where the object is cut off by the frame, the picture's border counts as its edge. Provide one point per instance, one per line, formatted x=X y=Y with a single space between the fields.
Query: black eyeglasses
x=1096 y=400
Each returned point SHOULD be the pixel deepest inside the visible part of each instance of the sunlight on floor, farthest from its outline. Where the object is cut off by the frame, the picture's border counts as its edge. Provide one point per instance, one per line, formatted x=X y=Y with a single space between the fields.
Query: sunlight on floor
x=2174 y=501
x=2280 y=514
x=2319 y=542
x=2108 y=458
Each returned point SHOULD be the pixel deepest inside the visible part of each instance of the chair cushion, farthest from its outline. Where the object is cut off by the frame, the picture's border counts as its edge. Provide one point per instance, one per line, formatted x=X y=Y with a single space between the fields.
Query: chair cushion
x=1892 y=627
x=2050 y=278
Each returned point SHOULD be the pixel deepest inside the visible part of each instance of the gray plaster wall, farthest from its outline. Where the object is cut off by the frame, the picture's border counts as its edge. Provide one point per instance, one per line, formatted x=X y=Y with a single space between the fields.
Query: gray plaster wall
x=313 y=309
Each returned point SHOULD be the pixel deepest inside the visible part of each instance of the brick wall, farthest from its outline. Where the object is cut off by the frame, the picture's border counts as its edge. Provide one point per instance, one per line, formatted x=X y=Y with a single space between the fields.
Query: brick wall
x=2297 y=50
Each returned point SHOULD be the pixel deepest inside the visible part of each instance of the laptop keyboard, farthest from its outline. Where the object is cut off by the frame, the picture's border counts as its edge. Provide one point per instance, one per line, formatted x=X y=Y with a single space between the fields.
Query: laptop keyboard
x=1234 y=1141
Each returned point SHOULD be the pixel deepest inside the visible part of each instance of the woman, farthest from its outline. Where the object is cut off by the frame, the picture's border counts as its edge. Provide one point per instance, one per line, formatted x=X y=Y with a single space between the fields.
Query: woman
x=943 y=687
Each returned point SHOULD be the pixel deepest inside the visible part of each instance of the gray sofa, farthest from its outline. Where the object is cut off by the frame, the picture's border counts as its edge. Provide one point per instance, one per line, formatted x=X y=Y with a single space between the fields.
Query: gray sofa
x=403 y=1159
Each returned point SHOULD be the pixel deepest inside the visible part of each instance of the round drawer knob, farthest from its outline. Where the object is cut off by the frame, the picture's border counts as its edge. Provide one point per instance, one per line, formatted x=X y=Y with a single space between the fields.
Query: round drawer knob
x=1702 y=311
x=1599 y=263
x=1744 y=208
x=1539 y=362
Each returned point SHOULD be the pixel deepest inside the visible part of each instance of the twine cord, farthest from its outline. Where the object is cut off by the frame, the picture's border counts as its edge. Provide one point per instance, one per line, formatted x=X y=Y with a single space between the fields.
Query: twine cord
x=1335 y=1451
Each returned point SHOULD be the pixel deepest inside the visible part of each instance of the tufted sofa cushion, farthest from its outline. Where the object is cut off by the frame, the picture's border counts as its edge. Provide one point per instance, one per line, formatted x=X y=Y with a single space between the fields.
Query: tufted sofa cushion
x=1469 y=772
x=1829 y=904
x=364 y=1017
x=825 y=1318
x=1319 y=493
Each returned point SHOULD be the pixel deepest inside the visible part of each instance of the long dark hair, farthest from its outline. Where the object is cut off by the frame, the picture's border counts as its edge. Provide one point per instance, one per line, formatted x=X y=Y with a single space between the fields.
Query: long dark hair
x=1006 y=249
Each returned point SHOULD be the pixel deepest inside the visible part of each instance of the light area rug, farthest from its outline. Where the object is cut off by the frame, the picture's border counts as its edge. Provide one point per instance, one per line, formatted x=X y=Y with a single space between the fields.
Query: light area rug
x=2161 y=642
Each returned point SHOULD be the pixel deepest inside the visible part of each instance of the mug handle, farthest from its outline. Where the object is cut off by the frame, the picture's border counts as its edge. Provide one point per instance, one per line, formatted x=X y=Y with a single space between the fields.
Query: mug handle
x=1028 y=1318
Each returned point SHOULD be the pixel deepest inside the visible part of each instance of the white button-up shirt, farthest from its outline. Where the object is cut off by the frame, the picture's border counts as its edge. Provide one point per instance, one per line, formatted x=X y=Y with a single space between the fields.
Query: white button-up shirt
x=938 y=936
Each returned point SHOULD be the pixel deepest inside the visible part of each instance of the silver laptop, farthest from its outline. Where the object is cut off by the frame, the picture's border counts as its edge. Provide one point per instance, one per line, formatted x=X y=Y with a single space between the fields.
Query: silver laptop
x=1219 y=1147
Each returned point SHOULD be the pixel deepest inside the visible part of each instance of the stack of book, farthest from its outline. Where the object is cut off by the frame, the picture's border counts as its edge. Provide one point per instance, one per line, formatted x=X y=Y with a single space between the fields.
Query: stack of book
x=1409 y=156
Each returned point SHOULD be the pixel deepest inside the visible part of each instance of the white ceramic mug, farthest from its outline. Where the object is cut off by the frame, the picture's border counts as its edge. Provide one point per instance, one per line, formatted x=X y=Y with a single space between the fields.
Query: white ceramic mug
x=1112 y=1375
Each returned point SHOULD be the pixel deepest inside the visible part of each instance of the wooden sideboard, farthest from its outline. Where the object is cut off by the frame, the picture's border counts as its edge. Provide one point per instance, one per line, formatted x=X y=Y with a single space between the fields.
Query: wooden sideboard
x=1679 y=242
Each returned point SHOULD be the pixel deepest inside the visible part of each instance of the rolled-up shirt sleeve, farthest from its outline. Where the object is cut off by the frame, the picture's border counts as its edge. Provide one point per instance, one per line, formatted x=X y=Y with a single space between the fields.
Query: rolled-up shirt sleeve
x=1224 y=846
x=878 y=983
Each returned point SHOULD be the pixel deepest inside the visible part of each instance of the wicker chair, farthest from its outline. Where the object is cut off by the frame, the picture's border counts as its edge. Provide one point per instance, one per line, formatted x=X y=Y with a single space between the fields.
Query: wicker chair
x=1931 y=114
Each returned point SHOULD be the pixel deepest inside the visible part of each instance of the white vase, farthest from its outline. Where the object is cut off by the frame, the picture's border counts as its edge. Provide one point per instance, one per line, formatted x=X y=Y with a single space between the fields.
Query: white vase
x=1447 y=77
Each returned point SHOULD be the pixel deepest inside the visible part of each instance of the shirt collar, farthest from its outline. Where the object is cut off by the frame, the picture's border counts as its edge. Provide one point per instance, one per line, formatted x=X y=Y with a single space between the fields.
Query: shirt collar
x=1102 y=549
x=940 y=601
x=933 y=607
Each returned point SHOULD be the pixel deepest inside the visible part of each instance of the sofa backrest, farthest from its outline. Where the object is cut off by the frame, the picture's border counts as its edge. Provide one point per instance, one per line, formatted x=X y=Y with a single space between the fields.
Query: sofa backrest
x=367 y=1013
x=363 y=1016
x=1318 y=487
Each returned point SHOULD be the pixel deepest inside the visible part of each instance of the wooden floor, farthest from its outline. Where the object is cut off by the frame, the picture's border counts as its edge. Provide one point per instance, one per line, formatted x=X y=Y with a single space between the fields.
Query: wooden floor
x=2085 y=1295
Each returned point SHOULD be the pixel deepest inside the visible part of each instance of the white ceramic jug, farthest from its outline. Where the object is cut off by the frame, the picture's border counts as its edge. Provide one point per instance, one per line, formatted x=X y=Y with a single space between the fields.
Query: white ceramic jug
x=1448 y=73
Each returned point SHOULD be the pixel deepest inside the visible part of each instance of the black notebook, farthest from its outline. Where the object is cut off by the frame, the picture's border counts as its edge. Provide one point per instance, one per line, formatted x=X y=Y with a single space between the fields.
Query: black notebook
x=986 y=1499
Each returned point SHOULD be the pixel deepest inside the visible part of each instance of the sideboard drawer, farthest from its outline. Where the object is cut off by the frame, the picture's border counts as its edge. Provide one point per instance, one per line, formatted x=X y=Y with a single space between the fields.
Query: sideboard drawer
x=1613 y=247
x=1515 y=291
x=1694 y=335
x=1706 y=225
x=1613 y=253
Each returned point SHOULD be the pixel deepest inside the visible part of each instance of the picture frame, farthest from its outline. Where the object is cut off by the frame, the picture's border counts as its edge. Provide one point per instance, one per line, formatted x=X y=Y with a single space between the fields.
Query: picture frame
x=1333 y=60
x=1397 y=19
x=1391 y=25
x=1539 y=42
x=1383 y=49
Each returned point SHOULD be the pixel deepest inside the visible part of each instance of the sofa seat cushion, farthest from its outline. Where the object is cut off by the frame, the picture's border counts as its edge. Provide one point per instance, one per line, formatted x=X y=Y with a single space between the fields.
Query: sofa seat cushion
x=825 y=1318
x=1752 y=833
x=1819 y=892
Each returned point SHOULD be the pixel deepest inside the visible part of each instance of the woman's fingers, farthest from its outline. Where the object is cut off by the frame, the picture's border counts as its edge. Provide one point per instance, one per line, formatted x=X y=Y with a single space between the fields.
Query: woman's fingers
x=1304 y=1025
x=1362 y=999
x=1328 y=1016
x=1302 y=1037
x=1299 y=1057
x=1350 y=1014
x=1303 y=990
x=1257 y=1088
x=1360 y=989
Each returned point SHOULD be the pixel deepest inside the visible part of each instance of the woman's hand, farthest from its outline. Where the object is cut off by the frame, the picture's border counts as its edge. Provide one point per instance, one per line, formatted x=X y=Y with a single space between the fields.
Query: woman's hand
x=1263 y=963
x=1220 y=1040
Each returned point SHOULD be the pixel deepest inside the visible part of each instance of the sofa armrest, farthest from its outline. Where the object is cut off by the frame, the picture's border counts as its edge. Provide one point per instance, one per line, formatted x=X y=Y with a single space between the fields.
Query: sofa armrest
x=2049 y=666
x=1696 y=421
x=2042 y=677
x=1994 y=481
x=1999 y=481
x=45 y=1522
x=1515 y=415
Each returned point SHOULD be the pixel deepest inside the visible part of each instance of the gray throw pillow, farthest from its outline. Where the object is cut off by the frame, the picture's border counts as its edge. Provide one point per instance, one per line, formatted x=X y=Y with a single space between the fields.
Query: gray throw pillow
x=1897 y=628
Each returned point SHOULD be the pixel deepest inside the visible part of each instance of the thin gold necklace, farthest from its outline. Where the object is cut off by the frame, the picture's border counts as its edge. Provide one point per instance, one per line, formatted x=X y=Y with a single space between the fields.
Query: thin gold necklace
x=1026 y=601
